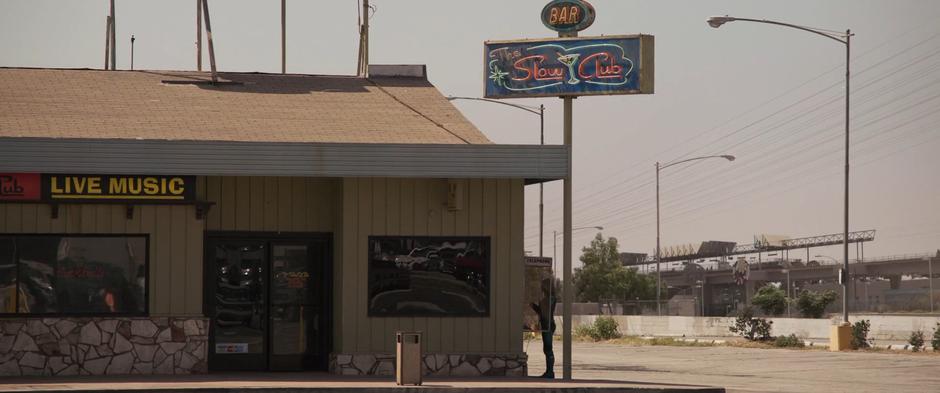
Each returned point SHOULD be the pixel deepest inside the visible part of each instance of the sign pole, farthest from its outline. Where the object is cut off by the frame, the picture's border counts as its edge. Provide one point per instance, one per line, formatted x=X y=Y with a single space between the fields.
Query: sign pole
x=568 y=289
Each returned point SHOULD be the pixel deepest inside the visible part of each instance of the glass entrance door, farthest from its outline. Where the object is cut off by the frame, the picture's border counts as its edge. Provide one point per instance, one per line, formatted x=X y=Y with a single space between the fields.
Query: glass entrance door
x=268 y=303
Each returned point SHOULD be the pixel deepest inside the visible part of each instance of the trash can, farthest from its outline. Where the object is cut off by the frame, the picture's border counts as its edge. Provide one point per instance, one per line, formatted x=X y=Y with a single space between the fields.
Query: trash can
x=408 y=360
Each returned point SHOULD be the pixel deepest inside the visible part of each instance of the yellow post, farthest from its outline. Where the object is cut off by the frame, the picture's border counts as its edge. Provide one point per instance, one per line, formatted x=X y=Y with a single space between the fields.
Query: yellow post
x=840 y=337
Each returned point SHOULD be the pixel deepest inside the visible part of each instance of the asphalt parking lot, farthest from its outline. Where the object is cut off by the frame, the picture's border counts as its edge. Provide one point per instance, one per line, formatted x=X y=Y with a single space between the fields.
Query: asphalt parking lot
x=748 y=369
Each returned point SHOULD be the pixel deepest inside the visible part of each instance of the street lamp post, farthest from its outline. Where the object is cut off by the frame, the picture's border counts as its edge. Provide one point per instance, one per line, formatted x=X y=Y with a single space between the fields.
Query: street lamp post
x=540 y=110
x=843 y=38
x=659 y=284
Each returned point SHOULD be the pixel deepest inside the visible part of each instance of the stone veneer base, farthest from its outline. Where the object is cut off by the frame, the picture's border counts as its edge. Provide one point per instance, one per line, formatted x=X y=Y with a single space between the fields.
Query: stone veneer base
x=105 y=345
x=436 y=364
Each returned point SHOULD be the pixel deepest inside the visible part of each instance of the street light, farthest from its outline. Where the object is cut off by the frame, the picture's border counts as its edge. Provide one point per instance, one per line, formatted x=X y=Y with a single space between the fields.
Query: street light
x=555 y=245
x=539 y=110
x=659 y=276
x=843 y=38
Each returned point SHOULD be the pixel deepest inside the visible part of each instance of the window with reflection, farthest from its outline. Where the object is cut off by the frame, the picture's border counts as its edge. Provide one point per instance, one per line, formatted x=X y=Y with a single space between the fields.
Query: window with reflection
x=73 y=274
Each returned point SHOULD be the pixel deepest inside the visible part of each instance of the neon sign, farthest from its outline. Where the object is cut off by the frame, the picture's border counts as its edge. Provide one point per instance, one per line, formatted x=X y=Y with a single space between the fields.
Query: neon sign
x=569 y=67
x=568 y=15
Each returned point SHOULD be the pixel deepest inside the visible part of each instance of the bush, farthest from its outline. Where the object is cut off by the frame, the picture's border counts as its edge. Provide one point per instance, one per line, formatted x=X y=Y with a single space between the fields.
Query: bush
x=917 y=340
x=751 y=328
x=603 y=328
x=606 y=328
x=771 y=300
x=935 y=343
x=860 y=334
x=813 y=304
x=789 y=341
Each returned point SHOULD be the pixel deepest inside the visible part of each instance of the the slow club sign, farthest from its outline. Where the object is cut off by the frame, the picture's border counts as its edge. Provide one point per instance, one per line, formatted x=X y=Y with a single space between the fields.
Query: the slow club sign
x=64 y=188
x=569 y=66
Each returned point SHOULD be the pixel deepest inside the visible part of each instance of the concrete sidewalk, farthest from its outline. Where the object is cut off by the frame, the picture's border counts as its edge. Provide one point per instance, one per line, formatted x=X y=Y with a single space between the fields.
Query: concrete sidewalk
x=753 y=370
x=324 y=383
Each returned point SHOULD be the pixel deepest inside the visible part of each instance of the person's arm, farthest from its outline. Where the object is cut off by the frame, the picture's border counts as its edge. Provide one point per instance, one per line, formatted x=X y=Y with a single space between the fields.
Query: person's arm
x=536 y=308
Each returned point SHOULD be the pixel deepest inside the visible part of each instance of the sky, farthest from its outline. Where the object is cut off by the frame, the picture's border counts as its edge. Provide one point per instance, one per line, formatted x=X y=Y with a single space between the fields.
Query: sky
x=771 y=96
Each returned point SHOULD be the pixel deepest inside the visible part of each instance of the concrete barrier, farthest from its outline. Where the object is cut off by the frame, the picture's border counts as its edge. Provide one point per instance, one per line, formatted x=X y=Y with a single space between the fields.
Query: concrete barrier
x=883 y=327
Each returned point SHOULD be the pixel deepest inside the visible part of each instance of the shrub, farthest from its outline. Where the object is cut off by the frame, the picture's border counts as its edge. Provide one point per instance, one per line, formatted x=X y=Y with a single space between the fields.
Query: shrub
x=585 y=331
x=935 y=343
x=771 y=300
x=789 y=341
x=917 y=340
x=860 y=334
x=813 y=304
x=751 y=328
x=603 y=328
x=606 y=328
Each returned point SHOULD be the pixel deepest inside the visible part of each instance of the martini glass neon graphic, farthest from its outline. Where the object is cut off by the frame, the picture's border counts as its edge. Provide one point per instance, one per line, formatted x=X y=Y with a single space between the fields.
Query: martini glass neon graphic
x=569 y=61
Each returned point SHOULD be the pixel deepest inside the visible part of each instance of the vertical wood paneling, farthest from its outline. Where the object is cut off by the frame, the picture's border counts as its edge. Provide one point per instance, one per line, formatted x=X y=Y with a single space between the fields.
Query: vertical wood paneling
x=270 y=204
x=407 y=227
x=490 y=201
x=213 y=194
x=119 y=219
x=517 y=266
x=163 y=242
x=43 y=219
x=145 y=215
x=29 y=216
x=256 y=203
x=229 y=206
x=242 y=203
x=448 y=219
x=193 y=269
x=378 y=222
x=177 y=268
x=350 y=291
x=284 y=205
x=103 y=218
x=392 y=227
x=299 y=206
x=436 y=198
x=461 y=226
x=475 y=227
x=504 y=266
x=363 y=226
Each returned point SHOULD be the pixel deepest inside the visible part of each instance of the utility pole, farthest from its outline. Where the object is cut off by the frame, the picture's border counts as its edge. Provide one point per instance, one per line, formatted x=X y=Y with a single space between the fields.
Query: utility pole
x=107 y=43
x=113 y=40
x=132 y=52
x=283 y=36
x=363 y=66
x=205 y=11
x=567 y=289
x=199 y=35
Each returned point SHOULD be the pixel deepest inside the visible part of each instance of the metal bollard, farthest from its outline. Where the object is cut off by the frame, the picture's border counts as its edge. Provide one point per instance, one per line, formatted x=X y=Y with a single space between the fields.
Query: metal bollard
x=408 y=358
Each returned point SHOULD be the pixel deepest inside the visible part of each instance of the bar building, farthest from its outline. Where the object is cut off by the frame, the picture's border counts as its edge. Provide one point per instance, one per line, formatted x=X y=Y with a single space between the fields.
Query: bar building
x=155 y=223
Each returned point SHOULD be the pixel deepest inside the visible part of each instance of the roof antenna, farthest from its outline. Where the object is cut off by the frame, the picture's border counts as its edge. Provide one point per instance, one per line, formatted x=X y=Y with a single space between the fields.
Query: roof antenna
x=113 y=39
x=132 y=52
x=363 y=66
x=205 y=13
x=107 y=42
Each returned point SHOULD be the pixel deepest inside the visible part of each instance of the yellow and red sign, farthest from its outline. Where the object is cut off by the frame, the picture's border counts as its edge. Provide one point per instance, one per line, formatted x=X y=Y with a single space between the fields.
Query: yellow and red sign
x=64 y=188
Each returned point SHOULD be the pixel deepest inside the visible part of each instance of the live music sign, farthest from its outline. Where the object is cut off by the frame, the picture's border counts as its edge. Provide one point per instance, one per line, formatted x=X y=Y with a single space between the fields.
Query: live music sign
x=561 y=67
x=78 y=188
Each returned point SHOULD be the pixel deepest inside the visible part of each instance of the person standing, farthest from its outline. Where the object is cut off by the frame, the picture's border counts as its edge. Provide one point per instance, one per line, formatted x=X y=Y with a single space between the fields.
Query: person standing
x=546 y=312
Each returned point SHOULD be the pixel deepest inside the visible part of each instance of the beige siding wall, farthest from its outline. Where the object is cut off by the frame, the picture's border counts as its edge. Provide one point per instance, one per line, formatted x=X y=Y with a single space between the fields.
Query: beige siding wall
x=382 y=206
x=352 y=209
x=175 y=243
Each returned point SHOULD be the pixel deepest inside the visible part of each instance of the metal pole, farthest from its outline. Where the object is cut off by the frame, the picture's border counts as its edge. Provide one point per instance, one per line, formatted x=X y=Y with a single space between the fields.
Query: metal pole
x=107 y=43
x=542 y=186
x=930 y=281
x=113 y=39
x=659 y=284
x=199 y=35
x=845 y=234
x=132 y=52
x=205 y=11
x=566 y=244
x=283 y=36
x=365 y=38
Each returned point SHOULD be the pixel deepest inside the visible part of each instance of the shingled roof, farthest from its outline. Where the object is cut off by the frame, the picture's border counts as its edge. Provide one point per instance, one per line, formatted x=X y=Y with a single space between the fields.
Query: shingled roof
x=157 y=105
